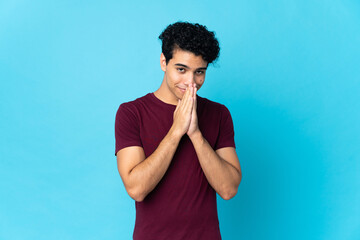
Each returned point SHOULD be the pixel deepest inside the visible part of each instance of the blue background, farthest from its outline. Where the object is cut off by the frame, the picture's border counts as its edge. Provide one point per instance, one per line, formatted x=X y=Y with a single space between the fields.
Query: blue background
x=289 y=72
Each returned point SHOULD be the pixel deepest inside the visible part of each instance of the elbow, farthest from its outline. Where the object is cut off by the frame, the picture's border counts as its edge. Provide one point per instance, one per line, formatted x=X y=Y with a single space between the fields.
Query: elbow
x=229 y=194
x=231 y=191
x=137 y=198
x=137 y=195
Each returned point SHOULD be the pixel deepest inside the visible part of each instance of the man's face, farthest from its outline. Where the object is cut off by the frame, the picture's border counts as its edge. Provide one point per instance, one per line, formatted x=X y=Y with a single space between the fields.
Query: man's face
x=183 y=69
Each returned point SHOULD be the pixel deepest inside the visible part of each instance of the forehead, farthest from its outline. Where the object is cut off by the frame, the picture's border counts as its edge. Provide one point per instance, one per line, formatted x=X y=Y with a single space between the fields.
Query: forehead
x=187 y=58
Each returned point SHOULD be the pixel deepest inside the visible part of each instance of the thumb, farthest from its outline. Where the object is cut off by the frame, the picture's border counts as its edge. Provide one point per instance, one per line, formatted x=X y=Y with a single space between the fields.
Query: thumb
x=195 y=104
x=177 y=105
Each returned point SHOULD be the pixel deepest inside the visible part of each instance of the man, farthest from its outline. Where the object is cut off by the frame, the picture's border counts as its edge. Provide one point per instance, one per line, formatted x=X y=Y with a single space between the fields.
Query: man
x=175 y=150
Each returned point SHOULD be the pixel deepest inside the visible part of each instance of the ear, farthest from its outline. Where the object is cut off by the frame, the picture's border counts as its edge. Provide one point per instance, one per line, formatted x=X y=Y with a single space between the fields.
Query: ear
x=163 y=62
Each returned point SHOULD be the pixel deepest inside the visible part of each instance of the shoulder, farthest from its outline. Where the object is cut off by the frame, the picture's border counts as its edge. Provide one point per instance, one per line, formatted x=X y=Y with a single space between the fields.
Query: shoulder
x=134 y=105
x=132 y=109
x=136 y=102
x=212 y=105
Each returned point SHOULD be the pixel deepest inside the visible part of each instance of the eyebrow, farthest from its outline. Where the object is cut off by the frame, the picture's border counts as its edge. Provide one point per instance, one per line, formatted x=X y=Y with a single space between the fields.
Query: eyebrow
x=183 y=65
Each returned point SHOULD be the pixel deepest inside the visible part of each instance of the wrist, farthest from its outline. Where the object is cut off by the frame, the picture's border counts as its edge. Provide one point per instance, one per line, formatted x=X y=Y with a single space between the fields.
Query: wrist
x=196 y=136
x=175 y=133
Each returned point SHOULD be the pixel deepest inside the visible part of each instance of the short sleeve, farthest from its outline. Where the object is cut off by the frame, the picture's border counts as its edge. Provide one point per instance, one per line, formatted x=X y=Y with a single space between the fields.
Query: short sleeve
x=226 y=130
x=127 y=128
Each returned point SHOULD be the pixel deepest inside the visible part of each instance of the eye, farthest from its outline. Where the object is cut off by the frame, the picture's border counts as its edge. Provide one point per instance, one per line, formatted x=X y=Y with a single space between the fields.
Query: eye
x=200 y=72
x=181 y=70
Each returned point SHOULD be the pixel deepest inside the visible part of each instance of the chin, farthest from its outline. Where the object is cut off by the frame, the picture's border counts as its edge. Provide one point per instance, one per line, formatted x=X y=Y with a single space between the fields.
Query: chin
x=178 y=94
x=179 y=97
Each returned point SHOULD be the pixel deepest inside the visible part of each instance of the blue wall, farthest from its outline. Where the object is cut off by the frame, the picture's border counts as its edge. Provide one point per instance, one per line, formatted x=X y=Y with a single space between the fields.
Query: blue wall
x=289 y=72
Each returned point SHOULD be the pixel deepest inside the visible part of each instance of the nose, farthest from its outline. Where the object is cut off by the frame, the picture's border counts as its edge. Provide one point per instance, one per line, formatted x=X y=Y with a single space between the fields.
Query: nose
x=190 y=79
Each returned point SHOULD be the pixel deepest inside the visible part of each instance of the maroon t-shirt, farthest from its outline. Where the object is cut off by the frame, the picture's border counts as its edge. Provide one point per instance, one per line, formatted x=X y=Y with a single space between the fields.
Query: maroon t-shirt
x=183 y=204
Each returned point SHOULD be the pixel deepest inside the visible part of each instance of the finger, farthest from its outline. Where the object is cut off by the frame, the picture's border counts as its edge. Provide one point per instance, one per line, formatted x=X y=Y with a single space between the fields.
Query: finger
x=190 y=101
x=195 y=90
x=186 y=94
x=182 y=101
x=186 y=97
x=178 y=105
x=195 y=98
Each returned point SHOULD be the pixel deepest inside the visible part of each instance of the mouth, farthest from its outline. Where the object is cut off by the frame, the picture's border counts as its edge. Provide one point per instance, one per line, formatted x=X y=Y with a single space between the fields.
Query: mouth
x=182 y=89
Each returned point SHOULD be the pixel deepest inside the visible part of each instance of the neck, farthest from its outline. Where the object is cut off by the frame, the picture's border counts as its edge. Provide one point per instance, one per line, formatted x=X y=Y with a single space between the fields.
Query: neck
x=164 y=94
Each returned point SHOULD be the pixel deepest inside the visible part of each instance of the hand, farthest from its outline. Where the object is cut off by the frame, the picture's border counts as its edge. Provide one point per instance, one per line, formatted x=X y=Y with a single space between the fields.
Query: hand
x=194 y=127
x=183 y=112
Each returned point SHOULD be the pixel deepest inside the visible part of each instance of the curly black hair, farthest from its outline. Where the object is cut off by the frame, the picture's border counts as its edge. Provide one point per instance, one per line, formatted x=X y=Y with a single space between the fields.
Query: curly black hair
x=190 y=37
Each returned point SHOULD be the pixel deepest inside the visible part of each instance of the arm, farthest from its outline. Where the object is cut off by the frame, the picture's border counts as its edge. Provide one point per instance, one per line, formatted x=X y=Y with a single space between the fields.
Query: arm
x=141 y=175
x=221 y=168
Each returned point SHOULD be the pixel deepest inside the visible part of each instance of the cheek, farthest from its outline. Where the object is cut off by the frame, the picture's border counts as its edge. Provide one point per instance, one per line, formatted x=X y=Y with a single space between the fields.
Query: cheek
x=178 y=79
x=200 y=81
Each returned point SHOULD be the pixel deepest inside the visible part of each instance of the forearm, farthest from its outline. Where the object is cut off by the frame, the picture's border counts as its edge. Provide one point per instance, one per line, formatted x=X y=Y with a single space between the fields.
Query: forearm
x=221 y=175
x=144 y=177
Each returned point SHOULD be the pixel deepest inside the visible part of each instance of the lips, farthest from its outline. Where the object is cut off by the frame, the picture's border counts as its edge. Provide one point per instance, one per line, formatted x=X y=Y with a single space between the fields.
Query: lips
x=182 y=89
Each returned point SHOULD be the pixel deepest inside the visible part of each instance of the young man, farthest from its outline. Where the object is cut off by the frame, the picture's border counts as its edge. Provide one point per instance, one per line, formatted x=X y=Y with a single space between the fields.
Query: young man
x=175 y=150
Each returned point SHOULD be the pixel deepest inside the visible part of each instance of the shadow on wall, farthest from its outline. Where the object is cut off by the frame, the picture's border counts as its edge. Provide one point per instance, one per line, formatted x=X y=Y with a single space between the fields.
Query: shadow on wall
x=281 y=193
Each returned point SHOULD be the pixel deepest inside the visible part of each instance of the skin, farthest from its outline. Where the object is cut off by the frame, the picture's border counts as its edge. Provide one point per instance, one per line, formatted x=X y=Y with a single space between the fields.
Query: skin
x=183 y=77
